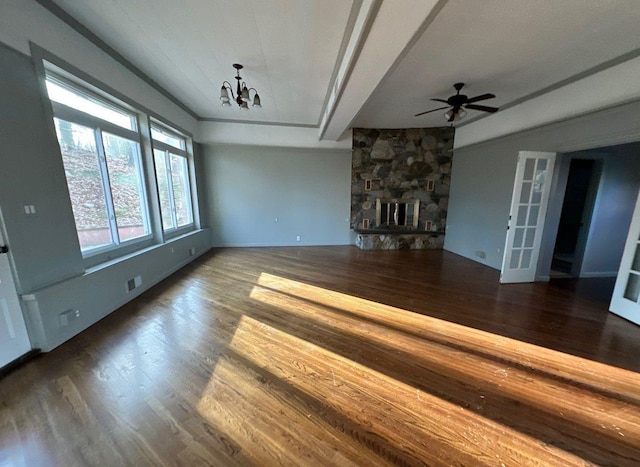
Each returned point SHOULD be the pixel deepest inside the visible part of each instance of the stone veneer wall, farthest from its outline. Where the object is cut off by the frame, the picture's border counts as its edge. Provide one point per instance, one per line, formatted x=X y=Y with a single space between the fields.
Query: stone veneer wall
x=400 y=163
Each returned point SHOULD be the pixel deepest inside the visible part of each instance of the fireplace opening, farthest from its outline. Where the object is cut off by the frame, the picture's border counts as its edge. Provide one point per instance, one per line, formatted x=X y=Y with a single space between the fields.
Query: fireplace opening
x=397 y=213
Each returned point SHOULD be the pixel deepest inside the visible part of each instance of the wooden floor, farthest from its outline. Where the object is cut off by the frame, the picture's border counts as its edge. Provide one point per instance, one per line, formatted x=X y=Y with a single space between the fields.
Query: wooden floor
x=335 y=356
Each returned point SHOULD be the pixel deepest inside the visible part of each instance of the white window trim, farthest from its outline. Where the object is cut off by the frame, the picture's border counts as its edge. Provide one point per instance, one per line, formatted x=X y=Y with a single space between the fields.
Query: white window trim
x=168 y=149
x=117 y=248
x=48 y=64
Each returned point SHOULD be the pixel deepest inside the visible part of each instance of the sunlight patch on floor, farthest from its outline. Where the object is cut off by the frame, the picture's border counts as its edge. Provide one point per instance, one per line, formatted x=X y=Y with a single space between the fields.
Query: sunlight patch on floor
x=369 y=397
x=570 y=367
x=386 y=368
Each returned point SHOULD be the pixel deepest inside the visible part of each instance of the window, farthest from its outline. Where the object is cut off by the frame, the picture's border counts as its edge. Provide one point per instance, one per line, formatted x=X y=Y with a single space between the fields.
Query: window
x=100 y=146
x=172 y=174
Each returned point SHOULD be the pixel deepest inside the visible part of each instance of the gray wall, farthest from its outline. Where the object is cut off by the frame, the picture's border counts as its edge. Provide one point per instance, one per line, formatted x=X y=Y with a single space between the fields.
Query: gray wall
x=613 y=209
x=306 y=190
x=483 y=175
x=44 y=246
x=44 y=251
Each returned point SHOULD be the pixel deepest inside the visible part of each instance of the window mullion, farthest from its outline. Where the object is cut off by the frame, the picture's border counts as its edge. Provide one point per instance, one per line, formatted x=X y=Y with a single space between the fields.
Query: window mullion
x=167 y=147
x=106 y=185
x=172 y=201
x=77 y=116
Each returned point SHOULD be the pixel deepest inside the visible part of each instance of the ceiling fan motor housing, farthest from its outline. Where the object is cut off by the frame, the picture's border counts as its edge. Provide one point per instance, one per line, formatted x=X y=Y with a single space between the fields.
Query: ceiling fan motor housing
x=458 y=102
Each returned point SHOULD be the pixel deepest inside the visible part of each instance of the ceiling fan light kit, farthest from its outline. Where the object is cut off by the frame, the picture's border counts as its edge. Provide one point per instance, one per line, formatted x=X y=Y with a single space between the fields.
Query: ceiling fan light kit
x=457 y=104
x=242 y=95
x=452 y=116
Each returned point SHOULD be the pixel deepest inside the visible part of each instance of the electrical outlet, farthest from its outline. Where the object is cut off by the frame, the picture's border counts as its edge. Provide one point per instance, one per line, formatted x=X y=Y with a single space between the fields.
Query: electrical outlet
x=297 y=238
x=66 y=317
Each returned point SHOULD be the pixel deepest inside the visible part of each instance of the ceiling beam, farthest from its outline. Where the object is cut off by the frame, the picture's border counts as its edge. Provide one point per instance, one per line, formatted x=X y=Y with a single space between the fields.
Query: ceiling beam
x=607 y=88
x=384 y=32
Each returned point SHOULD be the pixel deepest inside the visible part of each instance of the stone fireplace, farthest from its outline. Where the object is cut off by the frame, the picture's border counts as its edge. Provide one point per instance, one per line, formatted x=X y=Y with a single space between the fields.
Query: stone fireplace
x=400 y=187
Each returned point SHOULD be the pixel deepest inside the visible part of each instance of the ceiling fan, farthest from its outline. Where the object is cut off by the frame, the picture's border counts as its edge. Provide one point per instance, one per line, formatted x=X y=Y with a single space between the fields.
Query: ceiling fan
x=459 y=102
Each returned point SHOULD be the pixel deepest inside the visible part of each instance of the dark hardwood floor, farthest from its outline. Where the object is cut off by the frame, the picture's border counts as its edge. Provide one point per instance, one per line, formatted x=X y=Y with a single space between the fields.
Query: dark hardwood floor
x=335 y=356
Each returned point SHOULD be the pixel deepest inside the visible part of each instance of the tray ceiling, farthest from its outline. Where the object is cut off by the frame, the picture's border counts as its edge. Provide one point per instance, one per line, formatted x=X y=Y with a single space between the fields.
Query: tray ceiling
x=292 y=49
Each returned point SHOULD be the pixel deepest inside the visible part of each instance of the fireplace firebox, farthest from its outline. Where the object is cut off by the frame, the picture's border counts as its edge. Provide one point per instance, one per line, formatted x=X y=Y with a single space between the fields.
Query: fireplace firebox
x=397 y=214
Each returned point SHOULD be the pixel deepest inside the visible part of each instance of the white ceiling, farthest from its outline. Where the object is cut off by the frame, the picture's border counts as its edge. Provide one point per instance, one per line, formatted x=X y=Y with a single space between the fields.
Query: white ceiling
x=292 y=49
x=288 y=47
x=511 y=48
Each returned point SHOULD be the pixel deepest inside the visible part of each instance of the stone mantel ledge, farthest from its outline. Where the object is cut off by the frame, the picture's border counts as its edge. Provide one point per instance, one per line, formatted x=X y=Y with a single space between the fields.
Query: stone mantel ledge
x=399 y=240
x=374 y=231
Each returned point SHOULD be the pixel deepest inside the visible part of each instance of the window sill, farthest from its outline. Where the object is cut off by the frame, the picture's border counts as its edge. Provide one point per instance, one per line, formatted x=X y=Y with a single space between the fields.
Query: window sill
x=142 y=251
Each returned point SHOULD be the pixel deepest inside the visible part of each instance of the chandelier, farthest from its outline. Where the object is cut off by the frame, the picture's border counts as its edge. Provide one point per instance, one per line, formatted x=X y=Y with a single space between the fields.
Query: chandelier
x=242 y=92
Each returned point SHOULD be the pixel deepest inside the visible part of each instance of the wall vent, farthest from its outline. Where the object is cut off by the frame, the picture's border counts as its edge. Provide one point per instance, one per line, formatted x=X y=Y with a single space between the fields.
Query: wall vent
x=133 y=283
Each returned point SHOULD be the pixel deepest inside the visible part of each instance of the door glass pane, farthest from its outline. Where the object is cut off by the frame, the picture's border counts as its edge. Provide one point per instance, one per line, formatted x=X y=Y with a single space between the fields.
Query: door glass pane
x=526 y=259
x=127 y=188
x=542 y=165
x=533 y=215
x=163 y=189
x=515 y=259
x=181 y=190
x=632 y=291
x=536 y=195
x=526 y=191
x=539 y=178
x=528 y=169
x=528 y=240
x=518 y=235
x=521 y=220
x=636 y=260
x=84 y=179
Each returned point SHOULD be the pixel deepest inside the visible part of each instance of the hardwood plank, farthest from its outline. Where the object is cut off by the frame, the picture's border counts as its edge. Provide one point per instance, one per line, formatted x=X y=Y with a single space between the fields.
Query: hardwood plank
x=335 y=356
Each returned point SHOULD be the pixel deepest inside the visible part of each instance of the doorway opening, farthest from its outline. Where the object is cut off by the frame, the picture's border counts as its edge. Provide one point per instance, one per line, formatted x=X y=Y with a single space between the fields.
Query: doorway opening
x=590 y=211
x=575 y=218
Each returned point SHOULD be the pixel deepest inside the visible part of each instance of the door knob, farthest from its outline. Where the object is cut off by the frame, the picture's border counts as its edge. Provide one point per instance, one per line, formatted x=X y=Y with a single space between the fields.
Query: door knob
x=4 y=249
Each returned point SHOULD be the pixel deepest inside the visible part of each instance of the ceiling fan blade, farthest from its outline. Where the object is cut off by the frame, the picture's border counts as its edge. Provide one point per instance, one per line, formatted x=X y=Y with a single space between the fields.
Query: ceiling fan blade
x=440 y=100
x=481 y=98
x=484 y=108
x=429 y=111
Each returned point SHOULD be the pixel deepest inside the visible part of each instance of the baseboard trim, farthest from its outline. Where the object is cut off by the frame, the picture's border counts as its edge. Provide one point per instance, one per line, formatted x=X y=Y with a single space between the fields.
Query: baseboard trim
x=589 y=275
x=18 y=362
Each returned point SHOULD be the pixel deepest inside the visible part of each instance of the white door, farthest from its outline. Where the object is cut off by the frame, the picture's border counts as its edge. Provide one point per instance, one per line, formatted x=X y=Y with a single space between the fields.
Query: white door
x=626 y=293
x=14 y=341
x=527 y=215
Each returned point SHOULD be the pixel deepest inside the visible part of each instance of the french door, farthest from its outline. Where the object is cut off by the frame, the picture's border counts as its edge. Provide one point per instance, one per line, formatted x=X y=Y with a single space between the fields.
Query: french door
x=14 y=341
x=626 y=293
x=526 y=216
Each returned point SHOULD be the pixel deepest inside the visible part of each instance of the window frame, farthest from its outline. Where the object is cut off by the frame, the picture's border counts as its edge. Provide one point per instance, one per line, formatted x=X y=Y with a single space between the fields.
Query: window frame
x=117 y=247
x=184 y=152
